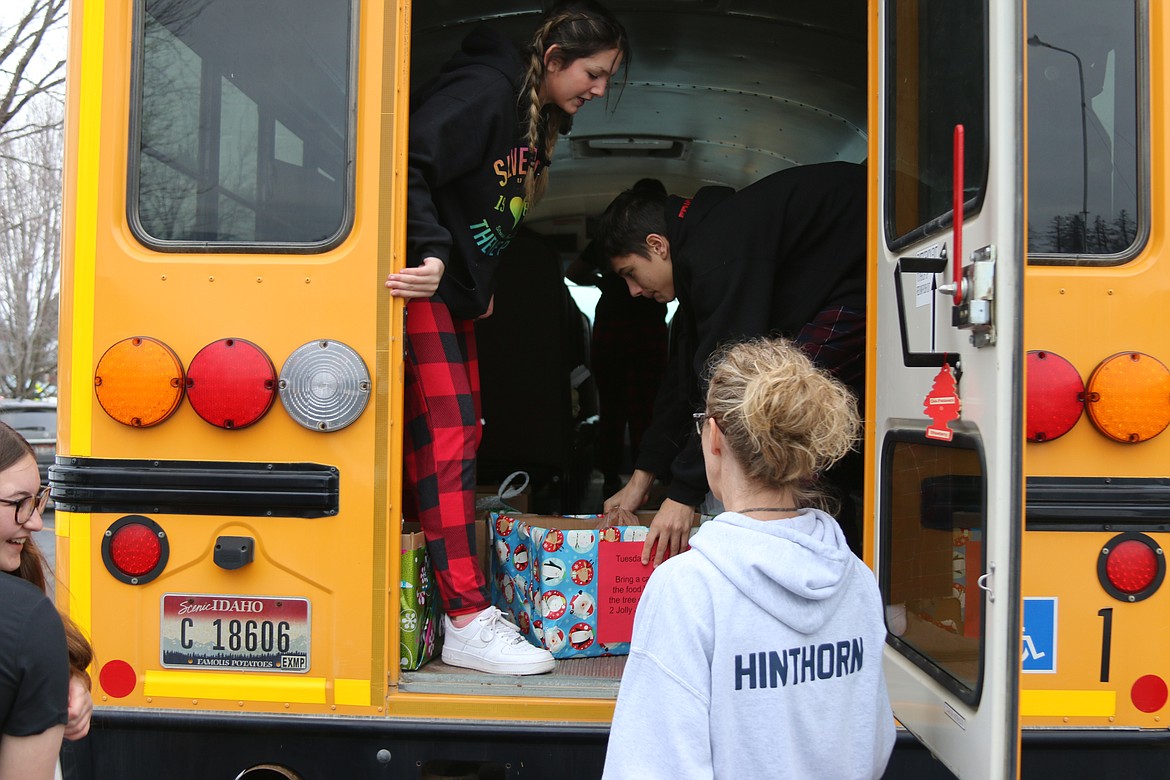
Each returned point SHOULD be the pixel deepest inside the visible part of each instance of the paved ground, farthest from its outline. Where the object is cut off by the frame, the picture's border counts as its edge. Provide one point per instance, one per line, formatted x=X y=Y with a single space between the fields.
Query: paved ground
x=47 y=540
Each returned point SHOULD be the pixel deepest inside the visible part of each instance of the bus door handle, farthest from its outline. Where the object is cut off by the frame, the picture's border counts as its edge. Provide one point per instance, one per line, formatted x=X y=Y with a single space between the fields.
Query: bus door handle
x=976 y=311
x=984 y=582
x=919 y=265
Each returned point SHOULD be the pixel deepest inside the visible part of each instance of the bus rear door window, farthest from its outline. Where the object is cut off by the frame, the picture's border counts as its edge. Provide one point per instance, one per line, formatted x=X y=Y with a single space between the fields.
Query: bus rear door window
x=1085 y=187
x=936 y=78
x=232 y=149
x=933 y=530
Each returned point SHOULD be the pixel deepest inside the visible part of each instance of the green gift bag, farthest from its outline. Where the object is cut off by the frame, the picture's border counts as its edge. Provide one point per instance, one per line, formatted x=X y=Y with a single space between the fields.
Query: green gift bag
x=420 y=626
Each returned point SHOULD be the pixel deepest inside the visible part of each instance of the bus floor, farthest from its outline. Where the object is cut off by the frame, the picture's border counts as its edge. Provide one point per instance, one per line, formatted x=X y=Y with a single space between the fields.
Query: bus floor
x=577 y=678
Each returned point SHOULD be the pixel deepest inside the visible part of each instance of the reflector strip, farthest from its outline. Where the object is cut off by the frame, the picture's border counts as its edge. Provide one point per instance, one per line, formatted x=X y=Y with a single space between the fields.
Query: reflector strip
x=352 y=692
x=1071 y=704
x=84 y=255
x=234 y=687
x=76 y=527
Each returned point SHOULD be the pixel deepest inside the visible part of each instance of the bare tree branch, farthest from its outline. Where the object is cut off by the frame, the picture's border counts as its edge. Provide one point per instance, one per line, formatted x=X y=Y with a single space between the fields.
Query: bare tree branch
x=28 y=75
x=30 y=249
x=32 y=71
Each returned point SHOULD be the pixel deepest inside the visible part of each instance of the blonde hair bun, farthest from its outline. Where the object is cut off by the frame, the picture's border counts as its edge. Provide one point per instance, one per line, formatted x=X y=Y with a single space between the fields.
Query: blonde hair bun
x=784 y=419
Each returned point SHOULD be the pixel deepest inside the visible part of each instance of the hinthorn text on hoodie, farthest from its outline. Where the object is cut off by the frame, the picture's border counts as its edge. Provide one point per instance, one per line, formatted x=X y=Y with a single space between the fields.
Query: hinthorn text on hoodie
x=758 y=653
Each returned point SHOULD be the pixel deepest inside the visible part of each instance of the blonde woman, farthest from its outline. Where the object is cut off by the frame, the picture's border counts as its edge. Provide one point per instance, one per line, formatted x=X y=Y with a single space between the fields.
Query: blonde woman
x=481 y=135
x=758 y=653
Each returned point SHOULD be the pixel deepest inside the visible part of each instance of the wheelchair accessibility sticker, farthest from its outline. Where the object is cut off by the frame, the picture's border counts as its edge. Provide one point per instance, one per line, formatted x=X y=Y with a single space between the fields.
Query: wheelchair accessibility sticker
x=1038 y=654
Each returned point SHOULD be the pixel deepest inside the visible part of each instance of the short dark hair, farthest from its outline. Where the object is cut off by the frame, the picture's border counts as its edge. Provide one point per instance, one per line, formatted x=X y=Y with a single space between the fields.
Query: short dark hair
x=631 y=217
x=651 y=184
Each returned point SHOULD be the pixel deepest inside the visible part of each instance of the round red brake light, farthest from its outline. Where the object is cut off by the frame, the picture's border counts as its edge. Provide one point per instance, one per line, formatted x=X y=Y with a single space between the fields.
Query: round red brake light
x=231 y=383
x=1131 y=566
x=1055 y=396
x=135 y=549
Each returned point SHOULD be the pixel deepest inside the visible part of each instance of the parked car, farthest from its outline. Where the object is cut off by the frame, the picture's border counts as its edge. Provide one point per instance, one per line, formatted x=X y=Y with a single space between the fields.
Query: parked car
x=36 y=420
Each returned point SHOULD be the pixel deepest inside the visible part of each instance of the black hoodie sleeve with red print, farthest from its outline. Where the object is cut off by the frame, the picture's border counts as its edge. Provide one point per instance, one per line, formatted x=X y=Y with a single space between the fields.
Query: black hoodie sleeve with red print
x=468 y=160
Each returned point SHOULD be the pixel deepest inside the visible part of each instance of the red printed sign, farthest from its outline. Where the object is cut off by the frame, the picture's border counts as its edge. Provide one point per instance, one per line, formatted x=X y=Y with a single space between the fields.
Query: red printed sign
x=621 y=578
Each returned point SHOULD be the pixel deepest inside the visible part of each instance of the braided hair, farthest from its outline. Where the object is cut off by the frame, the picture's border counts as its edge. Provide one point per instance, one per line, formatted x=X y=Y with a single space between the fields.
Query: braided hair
x=578 y=28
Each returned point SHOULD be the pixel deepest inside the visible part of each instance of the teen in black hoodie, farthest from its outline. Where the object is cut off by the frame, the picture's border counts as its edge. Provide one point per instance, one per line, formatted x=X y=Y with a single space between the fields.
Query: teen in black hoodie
x=481 y=134
x=784 y=256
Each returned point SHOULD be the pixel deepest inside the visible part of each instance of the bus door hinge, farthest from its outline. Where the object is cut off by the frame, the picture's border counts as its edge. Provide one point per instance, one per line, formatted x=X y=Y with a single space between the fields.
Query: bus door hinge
x=976 y=312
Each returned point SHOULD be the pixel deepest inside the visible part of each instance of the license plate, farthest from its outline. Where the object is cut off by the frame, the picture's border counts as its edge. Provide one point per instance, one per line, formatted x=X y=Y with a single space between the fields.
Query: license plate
x=213 y=631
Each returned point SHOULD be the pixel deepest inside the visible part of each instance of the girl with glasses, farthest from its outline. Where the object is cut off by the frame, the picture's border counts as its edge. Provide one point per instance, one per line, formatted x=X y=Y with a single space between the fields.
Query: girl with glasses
x=44 y=685
x=759 y=652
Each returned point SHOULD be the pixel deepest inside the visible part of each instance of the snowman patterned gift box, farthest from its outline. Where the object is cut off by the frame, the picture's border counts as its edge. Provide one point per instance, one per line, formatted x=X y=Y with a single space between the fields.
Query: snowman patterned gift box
x=545 y=573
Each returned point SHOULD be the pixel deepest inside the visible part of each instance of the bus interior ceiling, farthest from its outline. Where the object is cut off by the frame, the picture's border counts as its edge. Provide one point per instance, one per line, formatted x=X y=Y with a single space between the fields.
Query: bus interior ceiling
x=718 y=92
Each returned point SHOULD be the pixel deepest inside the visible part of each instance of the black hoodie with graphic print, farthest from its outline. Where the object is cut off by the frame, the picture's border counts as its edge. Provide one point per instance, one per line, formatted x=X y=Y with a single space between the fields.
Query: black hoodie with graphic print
x=469 y=157
x=763 y=261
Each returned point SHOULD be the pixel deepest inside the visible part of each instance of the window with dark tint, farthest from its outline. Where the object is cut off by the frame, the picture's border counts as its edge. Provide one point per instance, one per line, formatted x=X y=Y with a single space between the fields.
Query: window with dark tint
x=1084 y=148
x=243 y=123
x=936 y=78
x=933 y=524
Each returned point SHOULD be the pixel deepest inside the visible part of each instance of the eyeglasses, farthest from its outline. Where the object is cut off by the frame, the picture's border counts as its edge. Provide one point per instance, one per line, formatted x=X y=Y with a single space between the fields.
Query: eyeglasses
x=24 y=506
x=700 y=421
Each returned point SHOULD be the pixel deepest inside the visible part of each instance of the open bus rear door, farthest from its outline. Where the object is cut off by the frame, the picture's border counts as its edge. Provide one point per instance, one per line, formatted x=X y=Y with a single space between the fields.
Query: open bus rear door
x=945 y=412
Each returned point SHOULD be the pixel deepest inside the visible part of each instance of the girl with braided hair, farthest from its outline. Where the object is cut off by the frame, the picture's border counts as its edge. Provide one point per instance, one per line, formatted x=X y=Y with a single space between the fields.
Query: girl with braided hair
x=44 y=682
x=481 y=134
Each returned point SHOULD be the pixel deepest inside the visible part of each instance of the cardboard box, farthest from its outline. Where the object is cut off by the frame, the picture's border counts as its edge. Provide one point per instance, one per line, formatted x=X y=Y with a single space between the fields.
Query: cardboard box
x=570 y=587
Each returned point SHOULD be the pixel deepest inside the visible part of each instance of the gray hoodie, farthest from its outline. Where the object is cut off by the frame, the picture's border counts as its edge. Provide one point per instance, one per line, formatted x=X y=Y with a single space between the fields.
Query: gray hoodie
x=757 y=654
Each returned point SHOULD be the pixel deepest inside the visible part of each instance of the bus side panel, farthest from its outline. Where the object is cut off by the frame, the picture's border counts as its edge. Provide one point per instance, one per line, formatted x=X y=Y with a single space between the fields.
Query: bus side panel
x=333 y=568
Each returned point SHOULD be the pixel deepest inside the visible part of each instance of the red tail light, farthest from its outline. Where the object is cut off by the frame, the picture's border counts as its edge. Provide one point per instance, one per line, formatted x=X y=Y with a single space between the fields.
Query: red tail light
x=1131 y=567
x=135 y=549
x=1055 y=396
x=231 y=383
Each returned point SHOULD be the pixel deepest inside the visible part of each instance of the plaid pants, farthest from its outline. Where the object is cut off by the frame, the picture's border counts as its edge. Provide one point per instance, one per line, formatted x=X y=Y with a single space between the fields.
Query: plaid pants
x=443 y=431
x=835 y=341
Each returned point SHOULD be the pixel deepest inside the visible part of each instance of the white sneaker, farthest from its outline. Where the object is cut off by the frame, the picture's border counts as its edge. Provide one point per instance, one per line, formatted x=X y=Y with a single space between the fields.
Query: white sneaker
x=491 y=643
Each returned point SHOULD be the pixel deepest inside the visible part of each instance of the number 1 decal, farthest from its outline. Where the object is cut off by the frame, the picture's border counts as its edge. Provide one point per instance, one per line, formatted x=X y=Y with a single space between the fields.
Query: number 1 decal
x=1106 y=640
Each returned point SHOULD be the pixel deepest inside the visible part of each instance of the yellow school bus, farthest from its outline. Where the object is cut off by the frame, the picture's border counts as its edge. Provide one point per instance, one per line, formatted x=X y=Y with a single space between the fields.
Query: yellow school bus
x=228 y=478
x=1018 y=352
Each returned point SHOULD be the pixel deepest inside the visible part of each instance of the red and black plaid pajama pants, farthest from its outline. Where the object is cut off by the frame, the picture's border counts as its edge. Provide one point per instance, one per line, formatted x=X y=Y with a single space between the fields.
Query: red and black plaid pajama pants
x=835 y=341
x=443 y=430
